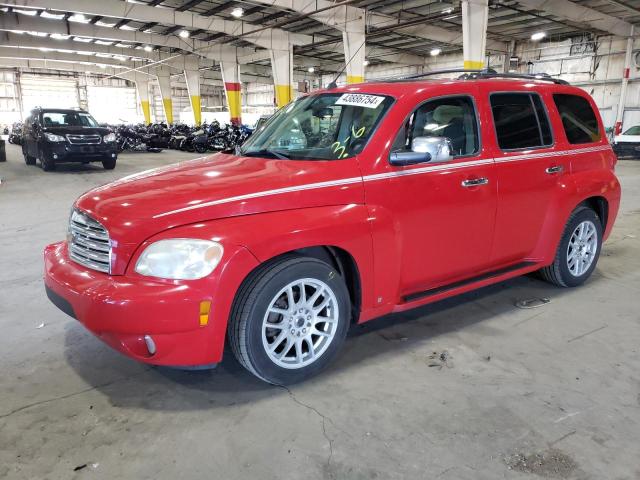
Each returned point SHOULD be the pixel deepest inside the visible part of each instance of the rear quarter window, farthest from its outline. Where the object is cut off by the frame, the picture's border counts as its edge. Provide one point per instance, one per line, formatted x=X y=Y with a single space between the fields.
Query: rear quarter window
x=578 y=118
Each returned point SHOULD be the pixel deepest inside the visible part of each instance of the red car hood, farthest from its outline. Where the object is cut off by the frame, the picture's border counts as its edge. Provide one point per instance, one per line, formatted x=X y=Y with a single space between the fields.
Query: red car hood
x=139 y=206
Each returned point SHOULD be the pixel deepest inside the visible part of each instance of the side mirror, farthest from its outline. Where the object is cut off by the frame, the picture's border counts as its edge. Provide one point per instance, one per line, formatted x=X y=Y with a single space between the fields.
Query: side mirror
x=401 y=159
x=438 y=148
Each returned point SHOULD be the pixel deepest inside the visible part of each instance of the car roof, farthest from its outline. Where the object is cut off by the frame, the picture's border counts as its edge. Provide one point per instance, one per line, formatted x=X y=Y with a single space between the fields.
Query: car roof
x=399 y=88
x=60 y=110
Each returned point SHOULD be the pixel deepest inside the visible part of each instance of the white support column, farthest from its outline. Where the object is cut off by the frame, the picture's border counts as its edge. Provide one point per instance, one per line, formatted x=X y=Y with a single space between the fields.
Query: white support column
x=282 y=65
x=623 y=86
x=164 y=82
x=232 y=87
x=475 y=15
x=353 y=39
x=192 y=78
x=142 y=87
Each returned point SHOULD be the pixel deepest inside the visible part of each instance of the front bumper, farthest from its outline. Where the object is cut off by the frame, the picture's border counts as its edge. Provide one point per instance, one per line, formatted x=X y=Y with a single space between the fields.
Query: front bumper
x=122 y=310
x=67 y=152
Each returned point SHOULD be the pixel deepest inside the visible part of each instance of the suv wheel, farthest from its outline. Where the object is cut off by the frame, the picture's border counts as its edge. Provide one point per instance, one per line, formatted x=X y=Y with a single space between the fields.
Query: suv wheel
x=578 y=251
x=29 y=160
x=289 y=319
x=47 y=164
x=109 y=163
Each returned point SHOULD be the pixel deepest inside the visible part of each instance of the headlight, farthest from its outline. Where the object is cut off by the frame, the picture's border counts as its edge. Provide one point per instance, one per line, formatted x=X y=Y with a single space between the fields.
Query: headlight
x=109 y=137
x=52 y=137
x=179 y=259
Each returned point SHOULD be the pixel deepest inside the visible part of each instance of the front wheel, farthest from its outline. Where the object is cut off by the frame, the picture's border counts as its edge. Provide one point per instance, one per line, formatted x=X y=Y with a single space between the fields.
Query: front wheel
x=289 y=319
x=578 y=251
x=109 y=163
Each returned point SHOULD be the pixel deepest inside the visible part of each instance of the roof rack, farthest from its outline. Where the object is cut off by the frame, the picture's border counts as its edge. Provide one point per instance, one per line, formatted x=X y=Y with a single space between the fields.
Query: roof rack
x=430 y=73
x=473 y=74
x=522 y=76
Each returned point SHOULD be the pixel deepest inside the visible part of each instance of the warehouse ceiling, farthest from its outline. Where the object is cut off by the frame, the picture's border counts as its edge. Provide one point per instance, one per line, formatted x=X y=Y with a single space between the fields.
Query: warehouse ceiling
x=508 y=20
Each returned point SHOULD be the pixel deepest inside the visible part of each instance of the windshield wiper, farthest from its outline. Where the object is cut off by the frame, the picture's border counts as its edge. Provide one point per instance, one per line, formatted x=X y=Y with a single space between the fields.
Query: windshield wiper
x=267 y=153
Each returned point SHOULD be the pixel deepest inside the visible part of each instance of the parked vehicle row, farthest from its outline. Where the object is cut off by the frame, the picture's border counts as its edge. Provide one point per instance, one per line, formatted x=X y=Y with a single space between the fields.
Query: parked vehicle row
x=206 y=137
x=15 y=136
x=351 y=203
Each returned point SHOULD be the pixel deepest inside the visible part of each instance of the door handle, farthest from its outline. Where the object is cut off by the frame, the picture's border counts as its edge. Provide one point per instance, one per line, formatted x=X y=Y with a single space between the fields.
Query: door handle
x=474 y=182
x=554 y=169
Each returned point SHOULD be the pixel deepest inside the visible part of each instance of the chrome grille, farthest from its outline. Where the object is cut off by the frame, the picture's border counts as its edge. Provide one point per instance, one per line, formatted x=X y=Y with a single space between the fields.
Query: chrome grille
x=83 y=139
x=89 y=243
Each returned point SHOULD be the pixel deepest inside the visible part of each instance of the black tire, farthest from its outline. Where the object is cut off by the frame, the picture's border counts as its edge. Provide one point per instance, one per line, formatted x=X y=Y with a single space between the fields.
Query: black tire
x=29 y=160
x=254 y=298
x=109 y=163
x=558 y=272
x=48 y=164
x=200 y=147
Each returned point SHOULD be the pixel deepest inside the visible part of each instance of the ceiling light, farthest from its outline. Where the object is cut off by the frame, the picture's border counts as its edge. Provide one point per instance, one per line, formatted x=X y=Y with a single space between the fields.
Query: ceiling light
x=538 y=36
x=78 y=17
x=365 y=63
x=148 y=48
x=447 y=10
x=237 y=12
x=435 y=52
x=184 y=34
x=54 y=16
x=311 y=69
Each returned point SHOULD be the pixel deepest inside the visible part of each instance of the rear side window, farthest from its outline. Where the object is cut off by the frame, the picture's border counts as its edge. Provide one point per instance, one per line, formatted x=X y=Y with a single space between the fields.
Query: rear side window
x=520 y=120
x=578 y=119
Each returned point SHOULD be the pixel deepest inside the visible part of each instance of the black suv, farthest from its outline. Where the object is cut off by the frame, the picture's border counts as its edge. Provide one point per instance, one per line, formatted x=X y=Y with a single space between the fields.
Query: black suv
x=55 y=135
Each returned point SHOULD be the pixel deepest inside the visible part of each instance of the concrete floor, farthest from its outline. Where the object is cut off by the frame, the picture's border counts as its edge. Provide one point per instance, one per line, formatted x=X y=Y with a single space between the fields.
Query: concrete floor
x=561 y=380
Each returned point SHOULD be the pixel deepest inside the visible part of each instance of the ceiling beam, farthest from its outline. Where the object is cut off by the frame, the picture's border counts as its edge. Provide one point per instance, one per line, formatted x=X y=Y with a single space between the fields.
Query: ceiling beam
x=26 y=23
x=263 y=37
x=592 y=19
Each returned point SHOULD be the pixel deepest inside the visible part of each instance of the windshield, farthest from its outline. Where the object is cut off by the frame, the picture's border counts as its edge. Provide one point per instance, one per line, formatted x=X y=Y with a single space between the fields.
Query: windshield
x=319 y=127
x=633 y=131
x=68 y=119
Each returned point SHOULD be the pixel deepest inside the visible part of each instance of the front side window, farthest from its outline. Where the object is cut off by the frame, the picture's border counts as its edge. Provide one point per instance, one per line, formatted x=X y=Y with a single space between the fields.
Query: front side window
x=319 y=127
x=453 y=118
x=68 y=119
x=520 y=121
x=578 y=119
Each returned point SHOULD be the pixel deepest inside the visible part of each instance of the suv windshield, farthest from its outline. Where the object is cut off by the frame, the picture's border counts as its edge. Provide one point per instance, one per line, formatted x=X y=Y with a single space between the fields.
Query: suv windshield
x=319 y=127
x=68 y=119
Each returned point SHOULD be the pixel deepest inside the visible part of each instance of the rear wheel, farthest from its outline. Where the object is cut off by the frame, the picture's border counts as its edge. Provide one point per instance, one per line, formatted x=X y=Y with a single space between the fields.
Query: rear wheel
x=109 y=163
x=28 y=159
x=289 y=319
x=579 y=250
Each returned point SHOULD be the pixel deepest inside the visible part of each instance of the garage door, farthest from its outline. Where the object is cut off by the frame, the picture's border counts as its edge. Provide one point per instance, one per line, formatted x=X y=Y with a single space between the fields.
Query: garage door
x=48 y=93
x=112 y=105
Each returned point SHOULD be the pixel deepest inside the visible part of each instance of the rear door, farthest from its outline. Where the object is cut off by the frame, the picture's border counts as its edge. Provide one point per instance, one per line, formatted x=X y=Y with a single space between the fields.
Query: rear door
x=528 y=170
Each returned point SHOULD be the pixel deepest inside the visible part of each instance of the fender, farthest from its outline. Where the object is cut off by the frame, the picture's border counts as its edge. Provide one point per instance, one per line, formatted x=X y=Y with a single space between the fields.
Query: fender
x=272 y=234
x=571 y=191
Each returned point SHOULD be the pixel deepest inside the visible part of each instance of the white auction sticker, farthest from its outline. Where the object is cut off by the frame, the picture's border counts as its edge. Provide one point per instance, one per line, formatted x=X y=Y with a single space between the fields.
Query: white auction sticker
x=360 y=100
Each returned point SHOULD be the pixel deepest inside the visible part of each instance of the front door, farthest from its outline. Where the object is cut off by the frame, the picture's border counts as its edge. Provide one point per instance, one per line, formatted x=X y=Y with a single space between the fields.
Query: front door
x=442 y=213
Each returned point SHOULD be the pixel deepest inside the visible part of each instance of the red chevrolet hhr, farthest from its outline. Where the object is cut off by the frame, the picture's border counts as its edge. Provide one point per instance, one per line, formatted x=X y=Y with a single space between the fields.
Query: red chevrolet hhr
x=348 y=204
